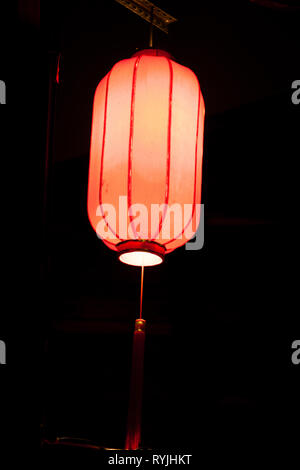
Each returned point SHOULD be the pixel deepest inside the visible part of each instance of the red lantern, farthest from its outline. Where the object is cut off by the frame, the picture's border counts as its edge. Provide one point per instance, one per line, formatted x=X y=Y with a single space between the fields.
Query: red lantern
x=145 y=172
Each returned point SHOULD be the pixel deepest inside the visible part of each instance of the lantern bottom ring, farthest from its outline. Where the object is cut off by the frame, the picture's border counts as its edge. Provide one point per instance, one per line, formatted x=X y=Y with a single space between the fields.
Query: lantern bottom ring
x=141 y=252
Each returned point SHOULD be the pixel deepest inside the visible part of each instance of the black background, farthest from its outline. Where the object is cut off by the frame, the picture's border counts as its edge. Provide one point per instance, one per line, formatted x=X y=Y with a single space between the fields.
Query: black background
x=220 y=321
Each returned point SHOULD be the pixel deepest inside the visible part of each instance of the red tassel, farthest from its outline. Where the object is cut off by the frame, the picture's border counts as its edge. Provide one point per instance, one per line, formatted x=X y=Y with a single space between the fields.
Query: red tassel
x=136 y=387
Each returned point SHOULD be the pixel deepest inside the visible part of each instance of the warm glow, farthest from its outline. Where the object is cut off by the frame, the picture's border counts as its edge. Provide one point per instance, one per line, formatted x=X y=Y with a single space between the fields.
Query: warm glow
x=146 y=146
x=140 y=258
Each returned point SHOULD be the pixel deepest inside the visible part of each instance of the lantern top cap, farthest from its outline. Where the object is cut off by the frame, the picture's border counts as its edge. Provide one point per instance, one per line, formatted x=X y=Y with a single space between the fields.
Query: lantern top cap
x=152 y=52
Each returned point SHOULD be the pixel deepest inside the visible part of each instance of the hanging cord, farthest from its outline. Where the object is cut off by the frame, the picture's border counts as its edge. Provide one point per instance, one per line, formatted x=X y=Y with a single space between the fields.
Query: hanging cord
x=141 y=298
x=151 y=32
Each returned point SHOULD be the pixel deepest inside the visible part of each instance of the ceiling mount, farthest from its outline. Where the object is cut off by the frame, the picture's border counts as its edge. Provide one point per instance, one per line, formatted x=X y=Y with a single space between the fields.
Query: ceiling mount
x=149 y=12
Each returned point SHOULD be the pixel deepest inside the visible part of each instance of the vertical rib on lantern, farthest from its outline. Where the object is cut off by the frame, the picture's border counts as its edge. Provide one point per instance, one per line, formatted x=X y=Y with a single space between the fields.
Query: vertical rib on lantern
x=133 y=436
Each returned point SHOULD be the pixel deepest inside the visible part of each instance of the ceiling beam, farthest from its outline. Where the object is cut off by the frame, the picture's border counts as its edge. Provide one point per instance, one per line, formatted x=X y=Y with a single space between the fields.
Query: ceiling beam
x=149 y=12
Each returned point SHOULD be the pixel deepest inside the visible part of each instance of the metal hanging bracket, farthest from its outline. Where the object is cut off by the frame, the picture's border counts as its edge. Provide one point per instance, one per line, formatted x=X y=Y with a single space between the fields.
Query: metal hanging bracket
x=149 y=12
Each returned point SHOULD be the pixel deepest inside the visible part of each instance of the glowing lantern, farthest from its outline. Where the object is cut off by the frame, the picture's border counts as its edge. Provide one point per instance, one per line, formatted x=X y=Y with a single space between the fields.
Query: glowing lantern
x=145 y=171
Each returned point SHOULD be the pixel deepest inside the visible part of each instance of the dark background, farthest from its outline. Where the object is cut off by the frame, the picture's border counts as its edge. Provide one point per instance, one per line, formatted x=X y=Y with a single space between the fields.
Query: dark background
x=220 y=321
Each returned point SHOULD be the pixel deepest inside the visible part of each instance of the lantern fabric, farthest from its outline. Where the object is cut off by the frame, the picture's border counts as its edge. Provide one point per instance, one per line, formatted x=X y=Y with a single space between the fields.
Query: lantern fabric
x=145 y=172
